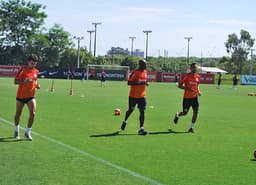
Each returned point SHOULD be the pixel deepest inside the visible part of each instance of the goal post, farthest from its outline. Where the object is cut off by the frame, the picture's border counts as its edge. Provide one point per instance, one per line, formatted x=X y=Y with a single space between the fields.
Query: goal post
x=118 y=73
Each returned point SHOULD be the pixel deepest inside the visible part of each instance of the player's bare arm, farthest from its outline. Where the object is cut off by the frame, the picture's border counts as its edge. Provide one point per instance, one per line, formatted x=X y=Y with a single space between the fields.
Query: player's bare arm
x=181 y=86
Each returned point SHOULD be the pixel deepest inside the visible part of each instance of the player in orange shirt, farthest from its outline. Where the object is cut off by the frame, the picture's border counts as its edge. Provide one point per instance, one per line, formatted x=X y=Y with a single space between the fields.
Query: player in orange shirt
x=137 y=96
x=190 y=84
x=26 y=78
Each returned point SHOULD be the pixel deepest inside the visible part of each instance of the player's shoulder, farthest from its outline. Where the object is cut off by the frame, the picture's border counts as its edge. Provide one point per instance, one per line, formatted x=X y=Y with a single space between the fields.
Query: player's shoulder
x=22 y=69
x=36 y=70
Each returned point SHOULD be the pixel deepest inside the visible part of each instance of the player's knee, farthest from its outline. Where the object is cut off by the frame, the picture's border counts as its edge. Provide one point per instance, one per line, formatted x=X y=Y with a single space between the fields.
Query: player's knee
x=142 y=111
x=33 y=113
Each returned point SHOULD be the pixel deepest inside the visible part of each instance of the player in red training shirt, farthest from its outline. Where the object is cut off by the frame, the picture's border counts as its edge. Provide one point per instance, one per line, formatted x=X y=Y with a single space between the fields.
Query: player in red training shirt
x=137 y=82
x=190 y=85
x=26 y=78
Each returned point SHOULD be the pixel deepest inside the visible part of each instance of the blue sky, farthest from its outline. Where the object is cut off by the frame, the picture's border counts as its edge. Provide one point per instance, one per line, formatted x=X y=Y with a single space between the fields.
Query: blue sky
x=207 y=22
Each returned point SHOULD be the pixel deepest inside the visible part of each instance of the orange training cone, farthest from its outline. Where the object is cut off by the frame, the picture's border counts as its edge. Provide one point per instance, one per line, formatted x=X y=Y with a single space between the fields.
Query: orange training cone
x=52 y=87
x=71 y=92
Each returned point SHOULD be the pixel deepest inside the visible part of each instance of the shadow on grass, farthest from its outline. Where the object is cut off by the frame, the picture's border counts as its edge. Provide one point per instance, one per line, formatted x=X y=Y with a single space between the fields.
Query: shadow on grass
x=119 y=133
x=170 y=131
x=106 y=135
x=253 y=160
x=11 y=139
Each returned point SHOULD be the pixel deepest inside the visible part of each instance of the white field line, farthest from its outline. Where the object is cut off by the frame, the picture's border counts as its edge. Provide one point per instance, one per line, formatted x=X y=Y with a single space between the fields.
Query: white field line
x=107 y=163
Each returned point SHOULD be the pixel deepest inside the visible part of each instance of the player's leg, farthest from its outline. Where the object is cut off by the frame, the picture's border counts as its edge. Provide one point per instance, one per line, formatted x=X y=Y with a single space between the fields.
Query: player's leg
x=131 y=107
x=32 y=111
x=19 y=108
x=142 y=107
x=195 y=106
x=185 y=108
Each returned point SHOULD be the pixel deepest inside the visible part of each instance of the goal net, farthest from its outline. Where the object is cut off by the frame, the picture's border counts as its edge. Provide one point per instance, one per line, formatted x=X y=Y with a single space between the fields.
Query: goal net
x=117 y=73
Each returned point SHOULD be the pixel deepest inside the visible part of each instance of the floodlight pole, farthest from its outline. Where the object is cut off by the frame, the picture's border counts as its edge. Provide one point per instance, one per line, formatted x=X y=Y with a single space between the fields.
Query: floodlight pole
x=95 y=30
x=188 y=38
x=78 y=49
x=147 y=32
x=132 y=38
x=90 y=43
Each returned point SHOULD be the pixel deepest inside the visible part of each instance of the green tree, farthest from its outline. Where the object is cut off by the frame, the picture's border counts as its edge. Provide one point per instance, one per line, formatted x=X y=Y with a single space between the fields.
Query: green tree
x=118 y=50
x=20 y=21
x=68 y=58
x=130 y=61
x=59 y=41
x=239 y=48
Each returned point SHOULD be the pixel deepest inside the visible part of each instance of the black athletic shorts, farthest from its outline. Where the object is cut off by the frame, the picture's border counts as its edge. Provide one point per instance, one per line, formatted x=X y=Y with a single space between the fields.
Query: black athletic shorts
x=190 y=102
x=141 y=102
x=24 y=100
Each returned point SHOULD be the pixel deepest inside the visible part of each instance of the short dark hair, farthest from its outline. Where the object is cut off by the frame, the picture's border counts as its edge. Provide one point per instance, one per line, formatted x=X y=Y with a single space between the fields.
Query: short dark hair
x=33 y=57
x=193 y=64
x=142 y=61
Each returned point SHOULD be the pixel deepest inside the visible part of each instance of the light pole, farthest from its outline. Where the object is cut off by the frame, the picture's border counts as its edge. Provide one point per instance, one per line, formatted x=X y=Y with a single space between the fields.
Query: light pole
x=78 y=49
x=147 y=32
x=95 y=30
x=90 y=44
x=132 y=38
x=251 y=64
x=188 y=38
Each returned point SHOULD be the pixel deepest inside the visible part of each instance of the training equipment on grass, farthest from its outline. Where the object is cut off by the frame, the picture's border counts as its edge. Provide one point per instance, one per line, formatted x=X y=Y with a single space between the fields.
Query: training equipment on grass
x=117 y=112
x=254 y=154
x=71 y=92
x=251 y=94
x=52 y=86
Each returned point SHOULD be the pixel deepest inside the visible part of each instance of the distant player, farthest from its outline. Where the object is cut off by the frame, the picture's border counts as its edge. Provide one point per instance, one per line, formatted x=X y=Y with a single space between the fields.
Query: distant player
x=103 y=78
x=190 y=85
x=235 y=81
x=92 y=73
x=137 y=82
x=219 y=81
x=26 y=78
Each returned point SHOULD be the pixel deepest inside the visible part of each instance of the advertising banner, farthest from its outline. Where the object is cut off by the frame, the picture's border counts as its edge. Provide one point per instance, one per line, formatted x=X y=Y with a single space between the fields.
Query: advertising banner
x=248 y=79
x=8 y=71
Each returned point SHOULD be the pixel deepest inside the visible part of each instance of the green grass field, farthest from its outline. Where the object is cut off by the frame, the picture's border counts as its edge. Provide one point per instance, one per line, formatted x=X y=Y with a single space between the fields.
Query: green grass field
x=76 y=139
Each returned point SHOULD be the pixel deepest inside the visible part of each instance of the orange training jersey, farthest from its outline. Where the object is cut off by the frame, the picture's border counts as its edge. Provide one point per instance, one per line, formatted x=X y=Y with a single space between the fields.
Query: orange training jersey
x=138 y=91
x=191 y=81
x=27 y=90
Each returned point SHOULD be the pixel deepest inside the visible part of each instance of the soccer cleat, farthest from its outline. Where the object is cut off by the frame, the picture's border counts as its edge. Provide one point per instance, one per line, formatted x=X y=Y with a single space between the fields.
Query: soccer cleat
x=191 y=130
x=142 y=131
x=28 y=136
x=123 y=125
x=176 y=118
x=16 y=135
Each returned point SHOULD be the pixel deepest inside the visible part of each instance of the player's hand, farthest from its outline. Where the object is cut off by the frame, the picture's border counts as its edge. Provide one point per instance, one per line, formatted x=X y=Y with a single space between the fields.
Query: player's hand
x=38 y=86
x=199 y=93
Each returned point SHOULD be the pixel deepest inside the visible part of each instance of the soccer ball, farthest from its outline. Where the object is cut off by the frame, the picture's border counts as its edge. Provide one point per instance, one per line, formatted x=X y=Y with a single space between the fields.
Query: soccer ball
x=117 y=112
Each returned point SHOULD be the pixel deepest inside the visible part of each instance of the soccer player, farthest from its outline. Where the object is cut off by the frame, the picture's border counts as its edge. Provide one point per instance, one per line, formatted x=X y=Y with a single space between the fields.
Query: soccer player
x=103 y=78
x=137 y=82
x=235 y=81
x=219 y=81
x=190 y=85
x=26 y=79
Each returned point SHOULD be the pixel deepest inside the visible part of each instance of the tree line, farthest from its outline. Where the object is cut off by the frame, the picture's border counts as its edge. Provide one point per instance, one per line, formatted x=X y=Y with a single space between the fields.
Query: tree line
x=22 y=31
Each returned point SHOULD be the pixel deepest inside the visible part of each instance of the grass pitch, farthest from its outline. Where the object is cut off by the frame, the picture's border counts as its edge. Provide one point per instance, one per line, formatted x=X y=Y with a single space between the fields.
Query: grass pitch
x=77 y=139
